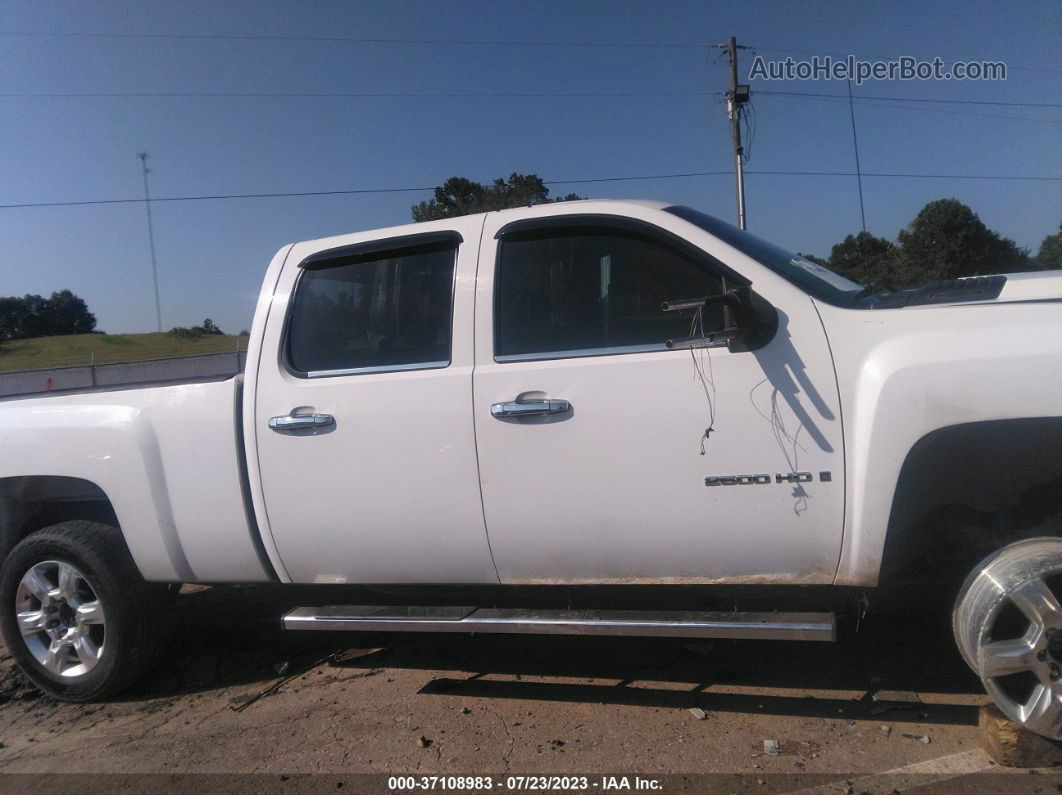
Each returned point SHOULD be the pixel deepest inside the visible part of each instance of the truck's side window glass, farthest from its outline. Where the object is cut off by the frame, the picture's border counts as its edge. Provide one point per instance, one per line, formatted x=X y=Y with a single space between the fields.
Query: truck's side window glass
x=594 y=289
x=383 y=311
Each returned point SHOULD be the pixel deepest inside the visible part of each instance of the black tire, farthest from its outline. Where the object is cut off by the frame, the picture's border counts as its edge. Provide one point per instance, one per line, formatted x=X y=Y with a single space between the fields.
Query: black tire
x=133 y=608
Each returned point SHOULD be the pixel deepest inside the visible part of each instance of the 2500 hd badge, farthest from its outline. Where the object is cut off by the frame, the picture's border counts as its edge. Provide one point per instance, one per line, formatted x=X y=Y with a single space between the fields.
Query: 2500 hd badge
x=764 y=479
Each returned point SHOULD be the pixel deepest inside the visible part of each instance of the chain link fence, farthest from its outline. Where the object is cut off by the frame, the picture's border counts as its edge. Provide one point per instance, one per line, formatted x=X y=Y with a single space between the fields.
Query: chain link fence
x=149 y=371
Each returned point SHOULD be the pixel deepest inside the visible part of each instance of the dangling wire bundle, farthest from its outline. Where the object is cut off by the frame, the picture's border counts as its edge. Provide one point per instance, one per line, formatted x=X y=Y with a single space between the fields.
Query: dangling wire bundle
x=707 y=381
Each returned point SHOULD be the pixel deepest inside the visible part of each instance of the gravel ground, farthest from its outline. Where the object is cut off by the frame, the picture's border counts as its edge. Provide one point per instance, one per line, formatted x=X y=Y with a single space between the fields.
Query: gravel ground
x=892 y=696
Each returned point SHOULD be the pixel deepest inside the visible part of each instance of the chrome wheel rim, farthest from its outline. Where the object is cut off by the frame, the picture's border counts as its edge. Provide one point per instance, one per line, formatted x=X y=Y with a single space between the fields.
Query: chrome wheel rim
x=61 y=619
x=1038 y=651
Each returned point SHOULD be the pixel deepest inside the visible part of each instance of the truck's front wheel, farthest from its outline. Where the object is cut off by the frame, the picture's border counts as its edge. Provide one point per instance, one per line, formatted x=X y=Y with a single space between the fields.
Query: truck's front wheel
x=1008 y=627
x=74 y=611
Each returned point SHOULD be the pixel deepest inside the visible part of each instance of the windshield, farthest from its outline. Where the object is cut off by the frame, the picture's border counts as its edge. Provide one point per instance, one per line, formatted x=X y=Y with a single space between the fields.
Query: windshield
x=809 y=276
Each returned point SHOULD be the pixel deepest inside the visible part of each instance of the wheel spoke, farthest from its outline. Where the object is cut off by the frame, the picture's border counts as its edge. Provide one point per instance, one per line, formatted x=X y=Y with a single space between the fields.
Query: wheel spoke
x=1042 y=713
x=1037 y=602
x=53 y=661
x=86 y=650
x=90 y=613
x=30 y=622
x=67 y=581
x=1004 y=657
x=37 y=585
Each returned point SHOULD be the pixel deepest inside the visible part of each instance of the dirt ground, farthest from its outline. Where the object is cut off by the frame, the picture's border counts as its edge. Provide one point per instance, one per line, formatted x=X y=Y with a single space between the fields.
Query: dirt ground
x=894 y=697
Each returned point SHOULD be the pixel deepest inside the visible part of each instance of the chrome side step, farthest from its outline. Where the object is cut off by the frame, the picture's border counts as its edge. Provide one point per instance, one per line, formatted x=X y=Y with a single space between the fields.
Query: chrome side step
x=374 y=618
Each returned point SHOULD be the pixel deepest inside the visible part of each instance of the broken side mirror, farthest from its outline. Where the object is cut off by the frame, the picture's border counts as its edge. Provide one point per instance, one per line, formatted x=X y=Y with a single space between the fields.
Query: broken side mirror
x=749 y=321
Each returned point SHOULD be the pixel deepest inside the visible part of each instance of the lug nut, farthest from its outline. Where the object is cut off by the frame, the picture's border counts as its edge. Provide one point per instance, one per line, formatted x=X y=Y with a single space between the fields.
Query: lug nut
x=1055 y=674
x=52 y=624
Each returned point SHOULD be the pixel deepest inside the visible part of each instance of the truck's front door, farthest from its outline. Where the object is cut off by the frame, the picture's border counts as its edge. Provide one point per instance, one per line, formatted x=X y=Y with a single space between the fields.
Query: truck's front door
x=363 y=411
x=605 y=457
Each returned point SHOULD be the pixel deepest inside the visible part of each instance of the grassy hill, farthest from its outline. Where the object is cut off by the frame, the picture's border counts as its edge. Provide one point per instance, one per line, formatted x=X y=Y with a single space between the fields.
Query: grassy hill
x=42 y=352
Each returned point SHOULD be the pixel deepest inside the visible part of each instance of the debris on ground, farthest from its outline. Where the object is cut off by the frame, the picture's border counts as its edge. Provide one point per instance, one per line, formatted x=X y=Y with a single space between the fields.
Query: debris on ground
x=423 y=742
x=244 y=703
x=698 y=713
x=466 y=711
x=922 y=738
x=886 y=729
x=770 y=747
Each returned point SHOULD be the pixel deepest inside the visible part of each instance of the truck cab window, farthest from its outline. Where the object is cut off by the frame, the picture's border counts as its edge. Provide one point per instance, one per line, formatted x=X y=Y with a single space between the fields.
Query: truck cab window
x=380 y=312
x=586 y=291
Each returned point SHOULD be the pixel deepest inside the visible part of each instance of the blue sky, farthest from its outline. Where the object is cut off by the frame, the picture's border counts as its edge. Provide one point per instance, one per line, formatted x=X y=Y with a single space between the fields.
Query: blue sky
x=212 y=254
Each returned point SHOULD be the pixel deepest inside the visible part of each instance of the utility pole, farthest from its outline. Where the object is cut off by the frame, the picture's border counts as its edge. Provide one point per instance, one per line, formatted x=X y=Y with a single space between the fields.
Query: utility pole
x=855 y=144
x=737 y=96
x=151 y=240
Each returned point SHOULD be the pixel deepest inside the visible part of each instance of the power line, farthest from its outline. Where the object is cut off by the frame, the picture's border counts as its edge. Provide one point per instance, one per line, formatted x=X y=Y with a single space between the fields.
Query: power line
x=358 y=40
x=906 y=176
x=659 y=45
x=922 y=109
x=915 y=99
x=872 y=101
x=357 y=191
x=357 y=94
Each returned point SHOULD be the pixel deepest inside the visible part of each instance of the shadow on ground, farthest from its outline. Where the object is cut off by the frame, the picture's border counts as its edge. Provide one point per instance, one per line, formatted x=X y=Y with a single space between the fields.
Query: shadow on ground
x=230 y=636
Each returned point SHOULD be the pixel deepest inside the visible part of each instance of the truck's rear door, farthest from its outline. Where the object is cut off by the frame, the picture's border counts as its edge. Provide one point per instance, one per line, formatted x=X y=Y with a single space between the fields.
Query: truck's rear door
x=363 y=413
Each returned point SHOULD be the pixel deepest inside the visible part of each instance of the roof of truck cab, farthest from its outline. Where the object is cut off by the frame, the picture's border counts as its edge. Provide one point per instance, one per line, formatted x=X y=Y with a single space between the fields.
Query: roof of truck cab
x=603 y=206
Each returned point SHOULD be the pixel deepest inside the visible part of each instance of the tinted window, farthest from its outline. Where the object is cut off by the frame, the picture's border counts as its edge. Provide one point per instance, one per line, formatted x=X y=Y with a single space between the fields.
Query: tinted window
x=594 y=289
x=381 y=311
x=809 y=276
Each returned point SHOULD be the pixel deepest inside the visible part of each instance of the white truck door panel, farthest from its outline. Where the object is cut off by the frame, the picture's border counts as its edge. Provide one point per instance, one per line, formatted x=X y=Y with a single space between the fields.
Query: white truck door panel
x=387 y=491
x=613 y=490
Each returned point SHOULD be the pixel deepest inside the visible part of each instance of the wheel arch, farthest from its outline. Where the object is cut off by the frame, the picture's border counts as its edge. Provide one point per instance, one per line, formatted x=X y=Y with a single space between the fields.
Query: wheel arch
x=31 y=502
x=965 y=490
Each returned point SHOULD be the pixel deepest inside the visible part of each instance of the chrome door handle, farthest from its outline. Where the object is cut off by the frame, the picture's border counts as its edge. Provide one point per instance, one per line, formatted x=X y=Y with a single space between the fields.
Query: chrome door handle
x=299 y=422
x=529 y=408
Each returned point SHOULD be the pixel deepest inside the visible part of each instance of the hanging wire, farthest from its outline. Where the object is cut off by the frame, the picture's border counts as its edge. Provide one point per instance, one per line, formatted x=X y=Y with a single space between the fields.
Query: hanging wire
x=707 y=381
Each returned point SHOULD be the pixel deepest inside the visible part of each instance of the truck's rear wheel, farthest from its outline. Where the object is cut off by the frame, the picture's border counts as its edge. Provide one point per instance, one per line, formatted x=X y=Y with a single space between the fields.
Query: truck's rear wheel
x=1008 y=626
x=74 y=611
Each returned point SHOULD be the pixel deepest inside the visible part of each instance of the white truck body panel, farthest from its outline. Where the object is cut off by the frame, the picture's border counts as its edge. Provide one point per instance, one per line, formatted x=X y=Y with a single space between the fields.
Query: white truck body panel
x=904 y=373
x=392 y=495
x=615 y=493
x=167 y=459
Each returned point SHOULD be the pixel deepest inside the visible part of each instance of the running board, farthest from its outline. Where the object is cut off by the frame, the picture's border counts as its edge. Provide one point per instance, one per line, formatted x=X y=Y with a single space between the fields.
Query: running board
x=374 y=618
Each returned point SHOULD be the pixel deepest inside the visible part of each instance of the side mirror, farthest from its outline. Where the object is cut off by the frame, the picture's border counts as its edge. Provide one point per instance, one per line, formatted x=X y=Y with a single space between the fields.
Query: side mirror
x=749 y=322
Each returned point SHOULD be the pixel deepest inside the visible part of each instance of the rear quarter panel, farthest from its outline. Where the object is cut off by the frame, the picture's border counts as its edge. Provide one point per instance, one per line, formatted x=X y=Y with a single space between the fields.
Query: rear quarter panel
x=167 y=459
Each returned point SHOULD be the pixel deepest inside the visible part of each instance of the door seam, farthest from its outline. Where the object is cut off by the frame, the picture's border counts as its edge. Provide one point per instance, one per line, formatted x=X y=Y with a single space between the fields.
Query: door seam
x=472 y=388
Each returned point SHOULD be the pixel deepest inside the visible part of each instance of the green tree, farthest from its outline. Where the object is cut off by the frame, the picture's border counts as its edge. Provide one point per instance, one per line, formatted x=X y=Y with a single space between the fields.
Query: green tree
x=69 y=314
x=195 y=332
x=865 y=258
x=947 y=240
x=36 y=316
x=461 y=196
x=1050 y=256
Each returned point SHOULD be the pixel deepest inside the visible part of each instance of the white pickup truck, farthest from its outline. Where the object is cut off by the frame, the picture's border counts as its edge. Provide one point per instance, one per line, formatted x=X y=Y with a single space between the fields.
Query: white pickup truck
x=629 y=397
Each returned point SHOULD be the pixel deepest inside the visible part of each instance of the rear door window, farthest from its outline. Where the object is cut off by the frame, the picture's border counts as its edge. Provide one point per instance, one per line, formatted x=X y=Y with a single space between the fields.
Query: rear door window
x=390 y=311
